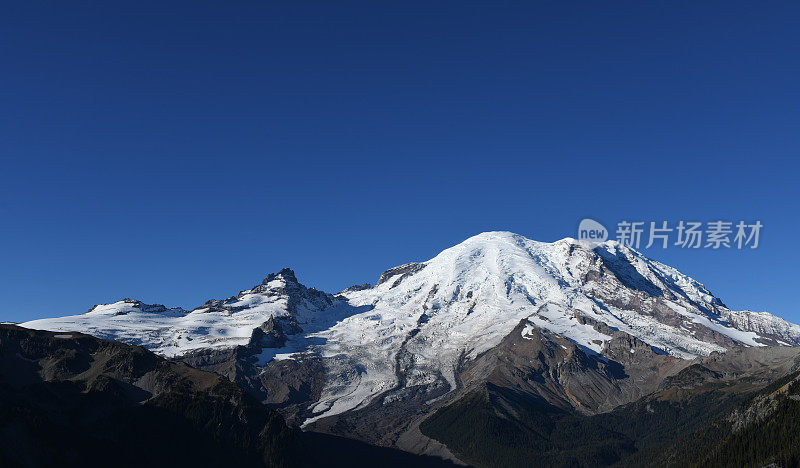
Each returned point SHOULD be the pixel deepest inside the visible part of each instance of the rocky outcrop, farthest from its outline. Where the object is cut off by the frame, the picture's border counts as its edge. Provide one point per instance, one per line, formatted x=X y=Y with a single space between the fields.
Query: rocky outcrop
x=273 y=333
x=399 y=273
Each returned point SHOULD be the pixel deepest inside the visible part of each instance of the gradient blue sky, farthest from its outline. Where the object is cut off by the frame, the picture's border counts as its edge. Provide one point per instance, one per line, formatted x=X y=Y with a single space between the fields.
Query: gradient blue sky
x=175 y=153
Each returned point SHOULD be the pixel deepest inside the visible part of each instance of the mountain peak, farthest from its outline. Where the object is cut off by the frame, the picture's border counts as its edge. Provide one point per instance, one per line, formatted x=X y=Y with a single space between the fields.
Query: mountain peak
x=287 y=274
x=490 y=237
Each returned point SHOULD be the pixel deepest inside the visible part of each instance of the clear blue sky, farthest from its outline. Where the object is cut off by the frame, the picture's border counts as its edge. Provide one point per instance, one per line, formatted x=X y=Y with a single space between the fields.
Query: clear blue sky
x=179 y=151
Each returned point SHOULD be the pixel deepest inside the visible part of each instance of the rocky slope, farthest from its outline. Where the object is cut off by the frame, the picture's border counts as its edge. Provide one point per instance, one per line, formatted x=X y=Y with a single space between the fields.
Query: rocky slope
x=699 y=416
x=71 y=399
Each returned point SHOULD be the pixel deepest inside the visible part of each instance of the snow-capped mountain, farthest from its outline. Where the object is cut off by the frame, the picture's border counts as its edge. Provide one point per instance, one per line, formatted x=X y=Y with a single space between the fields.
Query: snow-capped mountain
x=423 y=323
x=216 y=324
x=424 y=319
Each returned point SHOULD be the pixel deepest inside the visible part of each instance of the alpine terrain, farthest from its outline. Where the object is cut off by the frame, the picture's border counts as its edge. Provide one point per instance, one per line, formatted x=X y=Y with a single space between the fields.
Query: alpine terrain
x=498 y=349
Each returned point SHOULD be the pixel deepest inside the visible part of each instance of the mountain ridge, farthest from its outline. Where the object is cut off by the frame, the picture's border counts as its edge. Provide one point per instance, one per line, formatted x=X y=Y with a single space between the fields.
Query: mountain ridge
x=406 y=345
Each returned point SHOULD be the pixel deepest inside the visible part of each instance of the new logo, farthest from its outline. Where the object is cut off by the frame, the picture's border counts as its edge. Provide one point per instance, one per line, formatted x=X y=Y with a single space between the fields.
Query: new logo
x=590 y=230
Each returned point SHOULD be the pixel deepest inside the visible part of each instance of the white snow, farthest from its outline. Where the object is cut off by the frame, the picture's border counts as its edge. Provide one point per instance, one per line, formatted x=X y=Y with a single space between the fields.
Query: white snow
x=173 y=332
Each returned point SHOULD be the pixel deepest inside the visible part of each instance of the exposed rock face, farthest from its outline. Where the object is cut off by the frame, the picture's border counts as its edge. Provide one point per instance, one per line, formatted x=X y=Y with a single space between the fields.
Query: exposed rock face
x=399 y=273
x=539 y=362
x=357 y=287
x=273 y=333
